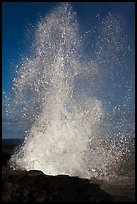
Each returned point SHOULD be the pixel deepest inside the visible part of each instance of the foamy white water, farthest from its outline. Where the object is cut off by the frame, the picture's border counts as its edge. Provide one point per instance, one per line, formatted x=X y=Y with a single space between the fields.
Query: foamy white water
x=66 y=134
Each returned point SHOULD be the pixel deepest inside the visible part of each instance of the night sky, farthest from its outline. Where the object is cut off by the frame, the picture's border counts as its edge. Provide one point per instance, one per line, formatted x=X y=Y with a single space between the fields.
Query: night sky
x=18 y=25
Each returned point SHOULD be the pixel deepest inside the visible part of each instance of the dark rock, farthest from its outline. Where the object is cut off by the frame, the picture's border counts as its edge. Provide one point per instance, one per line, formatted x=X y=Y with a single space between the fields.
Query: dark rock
x=34 y=173
x=7 y=186
x=6 y=171
x=37 y=187
x=25 y=192
x=41 y=197
x=6 y=191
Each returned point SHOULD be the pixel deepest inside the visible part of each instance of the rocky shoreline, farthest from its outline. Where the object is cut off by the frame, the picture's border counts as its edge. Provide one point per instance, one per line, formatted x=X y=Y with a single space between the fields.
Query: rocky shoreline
x=35 y=186
x=22 y=186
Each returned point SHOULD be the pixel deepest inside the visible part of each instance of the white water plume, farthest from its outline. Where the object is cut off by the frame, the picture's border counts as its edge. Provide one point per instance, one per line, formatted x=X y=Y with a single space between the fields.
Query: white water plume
x=65 y=136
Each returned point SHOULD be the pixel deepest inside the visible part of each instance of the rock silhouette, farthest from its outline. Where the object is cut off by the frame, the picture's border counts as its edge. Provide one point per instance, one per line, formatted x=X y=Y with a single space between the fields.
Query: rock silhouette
x=37 y=187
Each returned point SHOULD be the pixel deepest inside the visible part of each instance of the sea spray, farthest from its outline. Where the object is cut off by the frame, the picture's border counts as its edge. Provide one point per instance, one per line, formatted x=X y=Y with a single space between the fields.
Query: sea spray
x=67 y=134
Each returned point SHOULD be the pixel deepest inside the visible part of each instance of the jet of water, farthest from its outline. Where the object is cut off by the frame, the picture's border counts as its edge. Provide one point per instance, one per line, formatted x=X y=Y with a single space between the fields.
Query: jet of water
x=65 y=135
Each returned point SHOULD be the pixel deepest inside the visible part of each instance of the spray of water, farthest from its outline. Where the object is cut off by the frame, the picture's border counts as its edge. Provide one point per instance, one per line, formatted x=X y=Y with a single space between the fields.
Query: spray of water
x=66 y=134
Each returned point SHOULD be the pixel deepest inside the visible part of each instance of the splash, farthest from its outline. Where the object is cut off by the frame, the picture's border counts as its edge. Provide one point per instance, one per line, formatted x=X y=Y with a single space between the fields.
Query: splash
x=66 y=132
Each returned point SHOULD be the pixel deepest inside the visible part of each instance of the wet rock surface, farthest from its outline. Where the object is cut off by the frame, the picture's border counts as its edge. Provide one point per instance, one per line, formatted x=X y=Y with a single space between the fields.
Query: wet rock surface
x=38 y=187
x=35 y=186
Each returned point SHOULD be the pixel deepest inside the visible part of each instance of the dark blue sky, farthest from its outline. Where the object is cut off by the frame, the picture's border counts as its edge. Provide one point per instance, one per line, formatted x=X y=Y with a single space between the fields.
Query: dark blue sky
x=18 y=17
